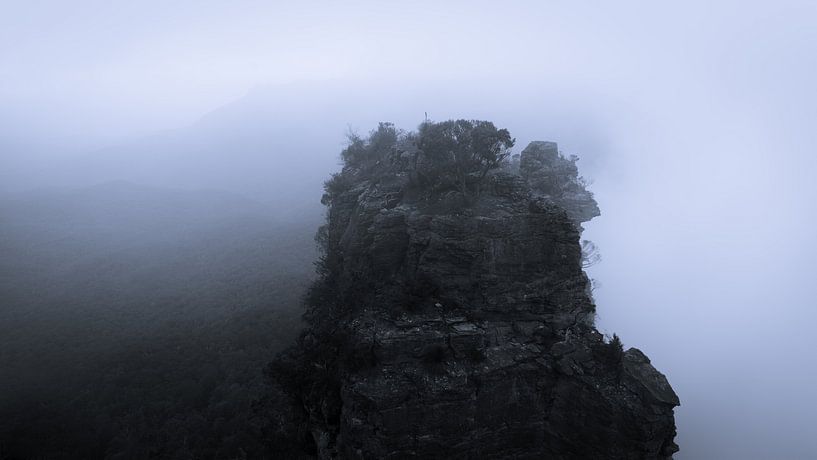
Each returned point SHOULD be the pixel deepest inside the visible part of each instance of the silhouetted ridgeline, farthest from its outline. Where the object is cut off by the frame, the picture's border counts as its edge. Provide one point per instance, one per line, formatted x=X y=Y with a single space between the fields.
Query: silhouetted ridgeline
x=452 y=317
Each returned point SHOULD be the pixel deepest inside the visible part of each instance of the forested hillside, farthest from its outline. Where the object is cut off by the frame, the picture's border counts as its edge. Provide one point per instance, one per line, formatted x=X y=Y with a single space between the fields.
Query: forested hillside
x=135 y=322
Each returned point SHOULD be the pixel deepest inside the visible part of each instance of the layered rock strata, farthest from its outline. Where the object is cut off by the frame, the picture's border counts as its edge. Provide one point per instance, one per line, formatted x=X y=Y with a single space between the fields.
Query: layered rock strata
x=467 y=332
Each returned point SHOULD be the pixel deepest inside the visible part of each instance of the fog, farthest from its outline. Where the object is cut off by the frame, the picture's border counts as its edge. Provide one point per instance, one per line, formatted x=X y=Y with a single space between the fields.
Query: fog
x=696 y=122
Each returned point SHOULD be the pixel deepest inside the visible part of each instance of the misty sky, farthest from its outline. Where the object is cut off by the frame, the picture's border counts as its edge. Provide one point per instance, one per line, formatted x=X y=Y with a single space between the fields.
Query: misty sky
x=696 y=121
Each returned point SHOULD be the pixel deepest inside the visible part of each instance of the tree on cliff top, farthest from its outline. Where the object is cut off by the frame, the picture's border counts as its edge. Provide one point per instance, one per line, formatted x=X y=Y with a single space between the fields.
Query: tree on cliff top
x=463 y=151
x=449 y=155
x=365 y=152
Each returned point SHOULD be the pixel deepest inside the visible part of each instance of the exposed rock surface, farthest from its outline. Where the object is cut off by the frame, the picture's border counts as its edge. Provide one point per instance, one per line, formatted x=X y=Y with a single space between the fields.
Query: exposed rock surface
x=466 y=333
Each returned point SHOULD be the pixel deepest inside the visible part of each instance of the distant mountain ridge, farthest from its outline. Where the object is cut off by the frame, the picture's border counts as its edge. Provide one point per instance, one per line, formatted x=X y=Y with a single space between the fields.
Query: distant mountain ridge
x=277 y=143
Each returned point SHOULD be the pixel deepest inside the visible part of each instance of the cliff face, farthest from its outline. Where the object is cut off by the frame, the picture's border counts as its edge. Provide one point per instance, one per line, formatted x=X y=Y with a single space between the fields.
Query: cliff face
x=467 y=332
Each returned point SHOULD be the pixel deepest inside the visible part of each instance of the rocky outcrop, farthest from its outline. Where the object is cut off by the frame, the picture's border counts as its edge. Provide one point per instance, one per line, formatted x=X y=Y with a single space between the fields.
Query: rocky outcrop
x=556 y=179
x=467 y=333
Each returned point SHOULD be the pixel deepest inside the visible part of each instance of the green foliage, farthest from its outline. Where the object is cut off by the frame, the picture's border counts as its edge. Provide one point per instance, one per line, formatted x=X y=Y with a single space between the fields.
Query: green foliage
x=334 y=187
x=449 y=155
x=383 y=139
x=462 y=152
x=615 y=350
x=361 y=153
x=355 y=150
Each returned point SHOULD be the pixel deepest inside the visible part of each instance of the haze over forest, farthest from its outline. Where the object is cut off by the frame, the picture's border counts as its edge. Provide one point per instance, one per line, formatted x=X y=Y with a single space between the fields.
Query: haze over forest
x=161 y=169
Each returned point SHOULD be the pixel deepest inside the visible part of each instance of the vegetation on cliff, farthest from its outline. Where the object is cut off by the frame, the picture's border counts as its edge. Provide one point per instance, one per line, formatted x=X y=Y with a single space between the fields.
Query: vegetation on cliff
x=449 y=271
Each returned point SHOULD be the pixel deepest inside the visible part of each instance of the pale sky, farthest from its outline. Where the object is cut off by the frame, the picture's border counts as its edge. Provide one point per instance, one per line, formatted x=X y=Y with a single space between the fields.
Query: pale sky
x=162 y=64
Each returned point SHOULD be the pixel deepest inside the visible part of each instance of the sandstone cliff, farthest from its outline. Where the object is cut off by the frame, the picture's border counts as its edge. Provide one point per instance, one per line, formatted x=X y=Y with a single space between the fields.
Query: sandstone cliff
x=450 y=327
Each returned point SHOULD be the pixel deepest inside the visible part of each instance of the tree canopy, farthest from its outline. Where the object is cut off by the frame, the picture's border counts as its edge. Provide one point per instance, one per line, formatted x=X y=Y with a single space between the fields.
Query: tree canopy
x=464 y=150
x=453 y=154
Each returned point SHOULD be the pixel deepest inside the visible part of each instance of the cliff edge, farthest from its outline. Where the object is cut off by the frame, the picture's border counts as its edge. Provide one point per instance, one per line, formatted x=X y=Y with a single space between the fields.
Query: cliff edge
x=452 y=316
